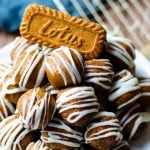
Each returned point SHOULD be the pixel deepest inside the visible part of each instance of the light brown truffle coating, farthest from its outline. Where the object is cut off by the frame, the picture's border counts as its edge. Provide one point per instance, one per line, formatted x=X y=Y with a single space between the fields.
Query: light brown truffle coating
x=29 y=71
x=64 y=67
x=134 y=122
x=125 y=90
x=58 y=135
x=36 y=108
x=121 y=53
x=99 y=74
x=9 y=89
x=104 y=131
x=77 y=105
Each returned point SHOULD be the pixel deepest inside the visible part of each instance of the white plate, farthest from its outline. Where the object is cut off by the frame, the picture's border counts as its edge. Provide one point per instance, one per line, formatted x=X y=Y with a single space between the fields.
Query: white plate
x=142 y=70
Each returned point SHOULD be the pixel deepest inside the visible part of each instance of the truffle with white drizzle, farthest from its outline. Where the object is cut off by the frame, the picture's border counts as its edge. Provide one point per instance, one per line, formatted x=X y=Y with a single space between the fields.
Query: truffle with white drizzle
x=9 y=93
x=134 y=122
x=58 y=135
x=121 y=52
x=77 y=105
x=125 y=90
x=9 y=90
x=38 y=145
x=13 y=136
x=104 y=131
x=36 y=108
x=64 y=67
x=144 y=84
x=29 y=70
x=123 y=145
x=98 y=73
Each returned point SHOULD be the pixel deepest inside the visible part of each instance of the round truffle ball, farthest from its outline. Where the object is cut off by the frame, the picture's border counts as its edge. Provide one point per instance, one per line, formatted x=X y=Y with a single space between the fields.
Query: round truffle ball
x=134 y=122
x=104 y=131
x=36 y=108
x=64 y=67
x=58 y=135
x=121 y=53
x=125 y=90
x=13 y=136
x=29 y=70
x=77 y=105
x=99 y=74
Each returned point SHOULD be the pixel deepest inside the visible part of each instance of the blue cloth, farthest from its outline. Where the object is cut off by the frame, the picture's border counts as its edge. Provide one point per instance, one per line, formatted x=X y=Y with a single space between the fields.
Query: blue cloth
x=11 y=11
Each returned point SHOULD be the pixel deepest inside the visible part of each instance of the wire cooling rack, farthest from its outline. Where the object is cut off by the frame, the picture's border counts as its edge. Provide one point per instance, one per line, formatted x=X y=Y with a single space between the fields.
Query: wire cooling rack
x=129 y=18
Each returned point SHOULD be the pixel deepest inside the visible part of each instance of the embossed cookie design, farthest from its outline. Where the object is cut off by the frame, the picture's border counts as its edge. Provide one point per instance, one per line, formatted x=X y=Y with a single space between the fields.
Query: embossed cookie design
x=53 y=28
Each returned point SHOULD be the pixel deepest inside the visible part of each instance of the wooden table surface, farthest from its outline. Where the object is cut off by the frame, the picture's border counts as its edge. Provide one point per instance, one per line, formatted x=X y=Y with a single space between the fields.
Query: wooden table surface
x=7 y=37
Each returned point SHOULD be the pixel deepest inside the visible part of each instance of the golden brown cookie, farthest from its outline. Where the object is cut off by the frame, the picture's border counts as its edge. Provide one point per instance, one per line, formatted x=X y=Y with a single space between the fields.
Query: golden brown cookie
x=53 y=28
x=36 y=108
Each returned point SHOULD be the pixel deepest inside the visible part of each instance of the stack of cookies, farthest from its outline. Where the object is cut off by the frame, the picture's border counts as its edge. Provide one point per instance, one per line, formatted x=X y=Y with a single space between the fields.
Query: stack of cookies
x=70 y=87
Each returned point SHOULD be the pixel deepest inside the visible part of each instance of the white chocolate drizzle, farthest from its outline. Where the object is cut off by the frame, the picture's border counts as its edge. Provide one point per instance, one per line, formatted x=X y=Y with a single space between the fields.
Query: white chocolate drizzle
x=113 y=128
x=126 y=84
x=121 y=145
x=61 y=137
x=12 y=133
x=39 y=145
x=49 y=88
x=116 y=49
x=68 y=63
x=37 y=53
x=139 y=117
x=38 y=115
x=20 y=44
x=99 y=77
x=88 y=103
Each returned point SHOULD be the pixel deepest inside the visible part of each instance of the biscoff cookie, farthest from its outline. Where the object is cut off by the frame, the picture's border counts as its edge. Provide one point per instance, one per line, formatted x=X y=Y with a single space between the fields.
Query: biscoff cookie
x=53 y=28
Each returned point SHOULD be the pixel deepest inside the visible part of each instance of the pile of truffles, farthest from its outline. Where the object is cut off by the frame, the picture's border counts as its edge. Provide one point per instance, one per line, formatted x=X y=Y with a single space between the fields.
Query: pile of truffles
x=64 y=92
x=53 y=99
